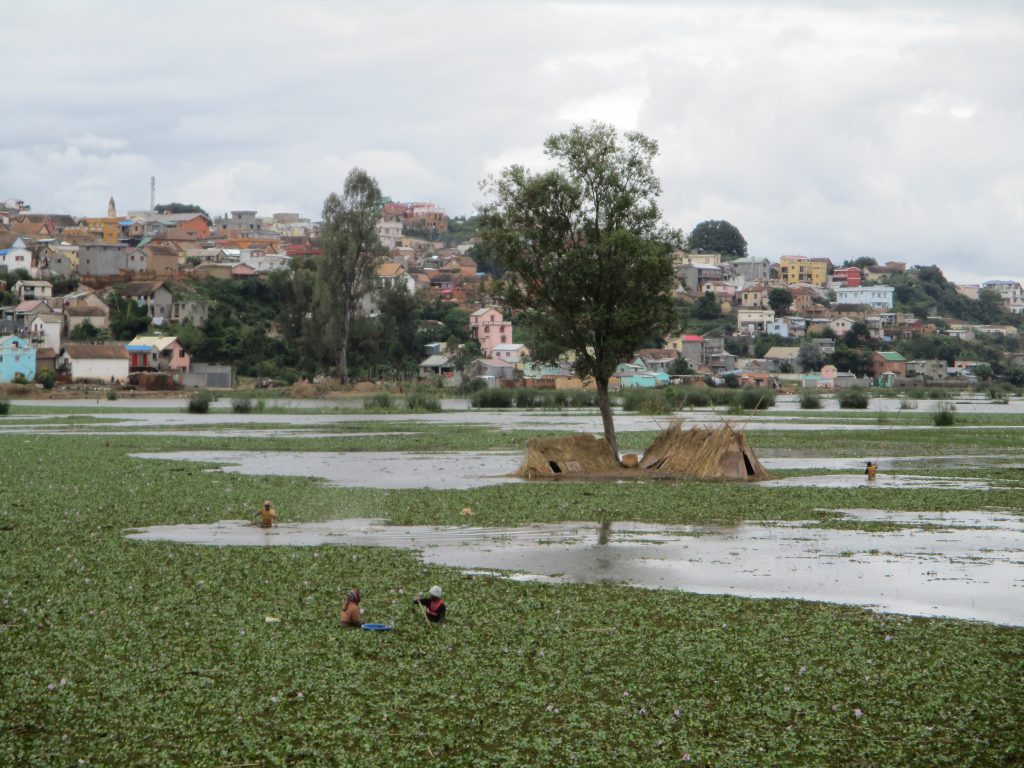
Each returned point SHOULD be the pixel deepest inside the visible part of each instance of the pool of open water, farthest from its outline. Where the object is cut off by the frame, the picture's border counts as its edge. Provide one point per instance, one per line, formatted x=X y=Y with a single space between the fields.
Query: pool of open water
x=970 y=567
x=466 y=469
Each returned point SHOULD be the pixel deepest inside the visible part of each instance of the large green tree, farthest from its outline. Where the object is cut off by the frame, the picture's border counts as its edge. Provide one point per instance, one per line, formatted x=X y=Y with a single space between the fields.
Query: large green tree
x=716 y=236
x=588 y=260
x=780 y=300
x=351 y=252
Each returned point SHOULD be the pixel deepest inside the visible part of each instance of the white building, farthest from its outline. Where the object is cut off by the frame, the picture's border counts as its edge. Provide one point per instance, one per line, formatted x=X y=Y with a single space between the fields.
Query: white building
x=389 y=229
x=95 y=362
x=754 y=320
x=510 y=353
x=263 y=261
x=1010 y=292
x=874 y=296
x=16 y=257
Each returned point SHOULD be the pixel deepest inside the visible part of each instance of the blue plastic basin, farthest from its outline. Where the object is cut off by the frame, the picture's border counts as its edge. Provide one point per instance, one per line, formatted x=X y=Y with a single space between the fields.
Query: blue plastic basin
x=377 y=627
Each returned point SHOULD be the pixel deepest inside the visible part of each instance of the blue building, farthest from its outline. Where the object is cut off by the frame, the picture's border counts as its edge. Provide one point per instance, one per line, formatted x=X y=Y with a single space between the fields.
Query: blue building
x=17 y=355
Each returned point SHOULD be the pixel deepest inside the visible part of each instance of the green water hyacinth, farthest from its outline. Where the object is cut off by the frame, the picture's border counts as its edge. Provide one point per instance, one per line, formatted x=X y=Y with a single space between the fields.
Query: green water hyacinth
x=126 y=653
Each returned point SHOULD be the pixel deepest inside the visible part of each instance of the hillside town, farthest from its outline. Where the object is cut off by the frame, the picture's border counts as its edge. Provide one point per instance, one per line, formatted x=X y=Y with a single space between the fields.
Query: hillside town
x=122 y=298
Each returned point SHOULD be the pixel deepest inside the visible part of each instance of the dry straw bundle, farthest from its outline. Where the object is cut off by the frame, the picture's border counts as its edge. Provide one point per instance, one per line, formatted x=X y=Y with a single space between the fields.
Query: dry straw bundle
x=570 y=455
x=699 y=453
x=703 y=453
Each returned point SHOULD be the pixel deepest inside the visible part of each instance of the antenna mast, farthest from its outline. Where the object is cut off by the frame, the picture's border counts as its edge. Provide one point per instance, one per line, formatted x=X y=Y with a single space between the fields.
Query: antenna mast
x=152 y=193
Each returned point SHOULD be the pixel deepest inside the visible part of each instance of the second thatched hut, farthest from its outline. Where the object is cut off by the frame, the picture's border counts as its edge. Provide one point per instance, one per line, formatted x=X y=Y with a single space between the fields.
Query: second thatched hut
x=704 y=454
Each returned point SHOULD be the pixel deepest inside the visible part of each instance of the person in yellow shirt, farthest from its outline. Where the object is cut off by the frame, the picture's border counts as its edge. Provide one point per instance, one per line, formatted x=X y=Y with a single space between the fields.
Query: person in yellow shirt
x=267 y=515
x=350 y=614
x=871 y=470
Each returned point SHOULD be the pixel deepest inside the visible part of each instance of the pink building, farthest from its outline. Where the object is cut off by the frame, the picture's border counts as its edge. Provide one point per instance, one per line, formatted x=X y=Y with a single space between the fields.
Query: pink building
x=488 y=328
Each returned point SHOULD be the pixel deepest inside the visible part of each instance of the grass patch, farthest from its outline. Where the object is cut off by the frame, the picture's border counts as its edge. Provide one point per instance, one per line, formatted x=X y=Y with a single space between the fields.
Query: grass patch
x=166 y=658
x=853 y=398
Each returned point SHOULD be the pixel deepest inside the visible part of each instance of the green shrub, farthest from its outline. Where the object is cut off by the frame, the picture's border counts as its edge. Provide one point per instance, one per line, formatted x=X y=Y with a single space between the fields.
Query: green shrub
x=906 y=404
x=527 y=398
x=242 y=405
x=756 y=397
x=810 y=400
x=46 y=377
x=853 y=398
x=5 y=407
x=696 y=398
x=720 y=396
x=111 y=394
x=491 y=398
x=379 y=401
x=19 y=378
x=938 y=393
x=199 y=402
x=656 y=405
x=423 y=401
x=582 y=398
x=632 y=399
x=944 y=415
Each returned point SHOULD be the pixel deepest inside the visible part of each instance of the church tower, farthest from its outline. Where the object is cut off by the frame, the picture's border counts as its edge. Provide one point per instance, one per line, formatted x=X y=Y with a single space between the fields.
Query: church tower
x=111 y=209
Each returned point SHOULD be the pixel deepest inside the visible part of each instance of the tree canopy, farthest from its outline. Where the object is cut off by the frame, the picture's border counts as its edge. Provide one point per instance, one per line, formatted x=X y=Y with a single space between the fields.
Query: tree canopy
x=780 y=300
x=351 y=252
x=183 y=208
x=587 y=258
x=717 y=236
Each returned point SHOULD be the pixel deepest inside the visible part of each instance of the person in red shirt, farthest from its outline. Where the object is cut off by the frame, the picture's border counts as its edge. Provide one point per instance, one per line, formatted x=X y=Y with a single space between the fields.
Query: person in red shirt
x=434 y=604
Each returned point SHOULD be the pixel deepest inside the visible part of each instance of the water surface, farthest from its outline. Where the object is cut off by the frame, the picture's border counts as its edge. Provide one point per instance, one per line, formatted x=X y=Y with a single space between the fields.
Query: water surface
x=971 y=567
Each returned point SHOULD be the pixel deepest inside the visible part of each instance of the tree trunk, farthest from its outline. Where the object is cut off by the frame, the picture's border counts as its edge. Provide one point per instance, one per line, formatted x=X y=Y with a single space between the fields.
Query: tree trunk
x=343 y=347
x=606 y=416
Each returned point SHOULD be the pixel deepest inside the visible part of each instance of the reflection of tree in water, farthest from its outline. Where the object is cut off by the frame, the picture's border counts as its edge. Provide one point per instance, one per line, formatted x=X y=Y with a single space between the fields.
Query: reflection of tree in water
x=603 y=534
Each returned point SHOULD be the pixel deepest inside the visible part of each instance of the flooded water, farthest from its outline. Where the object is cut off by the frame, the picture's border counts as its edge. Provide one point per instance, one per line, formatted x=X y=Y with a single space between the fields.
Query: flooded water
x=316 y=414
x=882 y=480
x=359 y=469
x=970 y=568
x=365 y=469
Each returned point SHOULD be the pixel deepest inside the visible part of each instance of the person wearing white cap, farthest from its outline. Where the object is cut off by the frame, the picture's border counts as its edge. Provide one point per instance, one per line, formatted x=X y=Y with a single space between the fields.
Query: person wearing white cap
x=434 y=605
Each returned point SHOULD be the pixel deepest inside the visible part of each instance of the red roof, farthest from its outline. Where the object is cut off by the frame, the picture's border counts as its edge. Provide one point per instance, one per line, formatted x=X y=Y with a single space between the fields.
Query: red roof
x=691 y=337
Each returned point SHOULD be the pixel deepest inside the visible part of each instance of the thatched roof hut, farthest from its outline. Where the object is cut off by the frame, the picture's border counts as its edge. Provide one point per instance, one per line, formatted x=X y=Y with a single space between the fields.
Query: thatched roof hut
x=572 y=455
x=704 y=454
x=699 y=453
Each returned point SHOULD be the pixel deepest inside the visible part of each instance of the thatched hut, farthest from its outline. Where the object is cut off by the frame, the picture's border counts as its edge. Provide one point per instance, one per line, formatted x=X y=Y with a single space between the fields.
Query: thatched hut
x=704 y=454
x=572 y=455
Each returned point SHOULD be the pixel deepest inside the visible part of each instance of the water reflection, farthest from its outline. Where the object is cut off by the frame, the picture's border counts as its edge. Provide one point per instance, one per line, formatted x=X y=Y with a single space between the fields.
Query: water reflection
x=970 y=568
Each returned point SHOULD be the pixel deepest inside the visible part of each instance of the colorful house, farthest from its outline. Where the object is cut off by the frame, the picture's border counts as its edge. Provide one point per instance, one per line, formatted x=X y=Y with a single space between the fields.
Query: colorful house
x=17 y=355
x=157 y=353
x=488 y=328
x=891 y=363
x=630 y=376
x=804 y=269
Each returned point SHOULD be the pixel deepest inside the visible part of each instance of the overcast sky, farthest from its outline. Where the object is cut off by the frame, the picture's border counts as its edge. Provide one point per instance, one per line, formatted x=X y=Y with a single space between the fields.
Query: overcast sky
x=841 y=129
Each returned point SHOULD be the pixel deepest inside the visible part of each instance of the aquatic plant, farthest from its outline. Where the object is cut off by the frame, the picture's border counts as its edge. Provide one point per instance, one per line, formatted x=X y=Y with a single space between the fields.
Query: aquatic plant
x=199 y=402
x=492 y=397
x=809 y=399
x=853 y=398
x=243 y=404
x=944 y=415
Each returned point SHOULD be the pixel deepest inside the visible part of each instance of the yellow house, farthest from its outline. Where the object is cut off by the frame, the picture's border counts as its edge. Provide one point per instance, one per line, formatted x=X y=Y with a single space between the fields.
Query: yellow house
x=105 y=229
x=804 y=269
